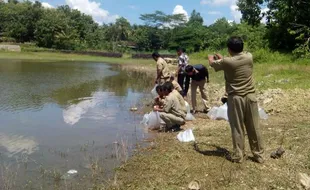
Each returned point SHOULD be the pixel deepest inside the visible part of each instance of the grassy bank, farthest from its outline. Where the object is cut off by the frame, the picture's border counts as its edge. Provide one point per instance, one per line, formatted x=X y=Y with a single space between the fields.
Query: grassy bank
x=47 y=56
x=170 y=164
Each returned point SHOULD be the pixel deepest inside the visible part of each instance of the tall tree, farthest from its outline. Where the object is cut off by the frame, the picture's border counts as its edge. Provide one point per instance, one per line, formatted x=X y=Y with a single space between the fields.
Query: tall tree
x=160 y=19
x=195 y=18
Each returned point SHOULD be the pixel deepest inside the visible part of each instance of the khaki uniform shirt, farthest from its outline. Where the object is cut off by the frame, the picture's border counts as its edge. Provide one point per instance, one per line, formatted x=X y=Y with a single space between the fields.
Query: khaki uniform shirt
x=176 y=86
x=180 y=99
x=172 y=105
x=238 y=71
x=162 y=67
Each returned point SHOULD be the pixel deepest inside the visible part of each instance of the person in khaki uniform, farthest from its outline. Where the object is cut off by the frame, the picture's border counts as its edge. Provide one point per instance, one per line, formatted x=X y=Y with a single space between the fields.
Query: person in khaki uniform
x=171 y=113
x=200 y=76
x=180 y=99
x=176 y=85
x=163 y=73
x=159 y=100
x=242 y=103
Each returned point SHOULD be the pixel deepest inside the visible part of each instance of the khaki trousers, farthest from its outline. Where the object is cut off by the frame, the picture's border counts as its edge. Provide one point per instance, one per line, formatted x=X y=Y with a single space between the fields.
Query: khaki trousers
x=203 y=92
x=171 y=119
x=243 y=115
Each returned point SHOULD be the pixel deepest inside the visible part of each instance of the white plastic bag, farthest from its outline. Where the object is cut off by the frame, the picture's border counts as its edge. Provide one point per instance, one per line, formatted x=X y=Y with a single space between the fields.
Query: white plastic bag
x=186 y=136
x=188 y=108
x=152 y=120
x=262 y=114
x=154 y=92
x=212 y=113
x=222 y=113
x=189 y=116
x=218 y=113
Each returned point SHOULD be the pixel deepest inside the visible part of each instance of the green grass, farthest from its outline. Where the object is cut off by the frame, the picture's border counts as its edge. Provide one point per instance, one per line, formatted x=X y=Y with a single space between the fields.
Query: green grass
x=48 y=56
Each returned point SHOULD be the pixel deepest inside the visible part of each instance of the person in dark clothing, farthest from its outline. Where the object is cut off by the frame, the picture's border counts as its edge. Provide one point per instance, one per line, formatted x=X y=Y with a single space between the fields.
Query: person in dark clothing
x=182 y=77
x=199 y=75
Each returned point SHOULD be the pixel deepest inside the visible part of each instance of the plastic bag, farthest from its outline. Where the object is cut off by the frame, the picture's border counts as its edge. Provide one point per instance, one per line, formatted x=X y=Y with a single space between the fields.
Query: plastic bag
x=186 y=136
x=262 y=114
x=152 y=120
x=189 y=116
x=222 y=113
x=188 y=108
x=154 y=92
x=212 y=113
x=218 y=113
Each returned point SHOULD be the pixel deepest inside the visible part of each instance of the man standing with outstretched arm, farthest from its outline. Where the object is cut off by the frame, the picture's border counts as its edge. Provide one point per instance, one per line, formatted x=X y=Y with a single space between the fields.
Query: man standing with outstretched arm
x=241 y=102
x=182 y=77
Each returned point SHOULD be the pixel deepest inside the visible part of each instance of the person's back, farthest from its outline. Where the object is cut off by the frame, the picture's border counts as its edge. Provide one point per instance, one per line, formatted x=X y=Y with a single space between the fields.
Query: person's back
x=173 y=106
x=202 y=73
x=238 y=71
x=163 y=66
x=180 y=99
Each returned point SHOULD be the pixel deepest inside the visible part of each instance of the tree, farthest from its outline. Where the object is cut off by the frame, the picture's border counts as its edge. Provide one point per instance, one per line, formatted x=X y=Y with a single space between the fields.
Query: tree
x=53 y=31
x=160 y=20
x=195 y=19
x=287 y=20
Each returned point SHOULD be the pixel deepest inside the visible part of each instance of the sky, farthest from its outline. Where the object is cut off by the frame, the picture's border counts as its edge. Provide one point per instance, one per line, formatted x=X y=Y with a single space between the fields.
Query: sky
x=106 y=11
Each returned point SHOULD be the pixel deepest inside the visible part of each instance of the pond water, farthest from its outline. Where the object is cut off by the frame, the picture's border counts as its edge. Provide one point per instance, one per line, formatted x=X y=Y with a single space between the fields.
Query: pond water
x=57 y=116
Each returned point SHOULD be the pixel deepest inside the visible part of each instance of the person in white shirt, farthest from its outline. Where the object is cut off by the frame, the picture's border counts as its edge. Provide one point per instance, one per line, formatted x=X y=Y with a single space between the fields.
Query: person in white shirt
x=182 y=76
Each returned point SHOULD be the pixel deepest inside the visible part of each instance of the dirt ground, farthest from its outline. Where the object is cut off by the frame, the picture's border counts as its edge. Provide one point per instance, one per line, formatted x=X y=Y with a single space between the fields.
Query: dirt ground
x=170 y=164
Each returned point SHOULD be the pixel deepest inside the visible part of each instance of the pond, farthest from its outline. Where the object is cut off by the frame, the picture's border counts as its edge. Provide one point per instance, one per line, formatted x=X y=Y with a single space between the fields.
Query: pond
x=59 y=116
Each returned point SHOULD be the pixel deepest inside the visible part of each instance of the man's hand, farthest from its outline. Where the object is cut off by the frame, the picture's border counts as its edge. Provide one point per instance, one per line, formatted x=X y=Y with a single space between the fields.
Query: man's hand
x=156 y=108
x=211 y=59
x=219 y=56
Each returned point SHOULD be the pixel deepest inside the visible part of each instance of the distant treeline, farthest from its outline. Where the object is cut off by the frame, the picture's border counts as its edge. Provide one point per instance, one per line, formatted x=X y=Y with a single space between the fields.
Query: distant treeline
x=287 y=28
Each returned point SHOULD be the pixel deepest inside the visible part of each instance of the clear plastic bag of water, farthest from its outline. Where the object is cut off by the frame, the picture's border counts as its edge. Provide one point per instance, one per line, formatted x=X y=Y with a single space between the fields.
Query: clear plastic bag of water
x=152 y=120
x=189 y=116
x=220 y=113
x=154 y=92
x=186 y=136
x=262 y=114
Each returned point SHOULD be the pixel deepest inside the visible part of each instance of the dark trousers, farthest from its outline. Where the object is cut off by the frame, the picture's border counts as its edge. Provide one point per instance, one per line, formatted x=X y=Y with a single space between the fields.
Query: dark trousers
x=181 y=78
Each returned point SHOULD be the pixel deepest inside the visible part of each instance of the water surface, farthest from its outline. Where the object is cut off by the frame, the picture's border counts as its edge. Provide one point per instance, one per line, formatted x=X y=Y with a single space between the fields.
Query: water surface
x=56 y=116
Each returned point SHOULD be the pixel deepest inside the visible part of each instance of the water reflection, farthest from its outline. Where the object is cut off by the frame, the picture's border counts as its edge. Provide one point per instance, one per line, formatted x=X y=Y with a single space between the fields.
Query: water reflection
x=74 y=112
x=17 y=144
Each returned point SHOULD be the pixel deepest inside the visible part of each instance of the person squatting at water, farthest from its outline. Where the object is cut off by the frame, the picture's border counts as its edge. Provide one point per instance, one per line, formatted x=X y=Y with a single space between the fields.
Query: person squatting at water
x=172 y=113
x=199 y=75
x=242 y=103
x=183 y=62
x=163 y=73
x=159 y=100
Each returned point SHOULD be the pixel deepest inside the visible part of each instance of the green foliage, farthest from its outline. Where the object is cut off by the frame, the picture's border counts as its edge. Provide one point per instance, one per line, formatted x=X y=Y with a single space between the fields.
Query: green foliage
x=160 y=19
x=63 y=28
x=287 y=22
